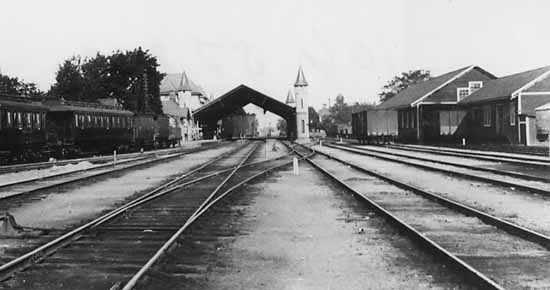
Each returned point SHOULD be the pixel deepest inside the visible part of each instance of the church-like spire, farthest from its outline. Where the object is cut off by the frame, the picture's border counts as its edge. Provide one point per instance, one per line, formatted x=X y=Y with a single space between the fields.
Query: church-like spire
x=300 y=79
x=289 y=98
x=185 y=84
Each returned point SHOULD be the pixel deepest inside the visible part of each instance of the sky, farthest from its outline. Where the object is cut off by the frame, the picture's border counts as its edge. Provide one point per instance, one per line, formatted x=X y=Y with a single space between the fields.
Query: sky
x=346 y=46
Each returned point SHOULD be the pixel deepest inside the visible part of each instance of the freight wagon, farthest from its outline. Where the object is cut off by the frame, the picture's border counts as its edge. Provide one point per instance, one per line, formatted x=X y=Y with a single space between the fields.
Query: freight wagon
x=375 y=126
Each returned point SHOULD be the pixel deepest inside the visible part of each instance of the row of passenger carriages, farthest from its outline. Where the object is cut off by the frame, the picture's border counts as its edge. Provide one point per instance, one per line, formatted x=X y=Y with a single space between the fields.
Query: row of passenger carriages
x=466 y=105
x=33 y=130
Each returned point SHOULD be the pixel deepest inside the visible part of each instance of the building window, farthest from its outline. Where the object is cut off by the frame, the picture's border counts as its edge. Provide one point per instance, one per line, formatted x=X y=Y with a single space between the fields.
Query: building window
x=303 y=126
x=512 y=114
x=474 y=86
x=462 y=93
x=487 y=116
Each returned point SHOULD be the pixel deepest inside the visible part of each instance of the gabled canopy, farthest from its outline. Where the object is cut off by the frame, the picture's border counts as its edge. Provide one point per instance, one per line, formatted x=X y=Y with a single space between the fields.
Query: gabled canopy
x=238 y=98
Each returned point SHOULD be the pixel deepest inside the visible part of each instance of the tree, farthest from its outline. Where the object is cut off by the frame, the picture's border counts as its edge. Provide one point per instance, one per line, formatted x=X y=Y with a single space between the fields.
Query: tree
x=313 y=119
x=340 y=111
x=399 y=83
x=69 y=81
x=132 y=77
x=15 y=86
x=97 y=75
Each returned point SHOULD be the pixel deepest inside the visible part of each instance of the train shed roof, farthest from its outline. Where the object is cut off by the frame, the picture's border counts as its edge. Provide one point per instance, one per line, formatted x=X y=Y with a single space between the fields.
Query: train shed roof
x=238 y=98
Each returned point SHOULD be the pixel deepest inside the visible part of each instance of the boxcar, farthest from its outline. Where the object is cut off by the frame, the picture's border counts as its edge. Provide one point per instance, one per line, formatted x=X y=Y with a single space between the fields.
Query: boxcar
x=375 y=126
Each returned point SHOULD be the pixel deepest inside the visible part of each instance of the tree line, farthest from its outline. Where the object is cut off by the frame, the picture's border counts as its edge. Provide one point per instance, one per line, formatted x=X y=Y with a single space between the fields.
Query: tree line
x=131 y=77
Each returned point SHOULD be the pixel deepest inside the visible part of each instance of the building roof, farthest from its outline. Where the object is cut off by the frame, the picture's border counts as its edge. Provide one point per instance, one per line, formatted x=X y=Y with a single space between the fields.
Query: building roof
x=544 y=107
x=111 y=102
x=85 y=107
x=289 y=98
x=171 y=108
x=178 y=82
x=420 y=90
x=12 y=101
x=504 y=87
x=300 y=79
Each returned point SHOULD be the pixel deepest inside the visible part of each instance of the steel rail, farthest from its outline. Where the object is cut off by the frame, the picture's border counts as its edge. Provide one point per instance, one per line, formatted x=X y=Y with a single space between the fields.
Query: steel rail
x=49 y=248
x=114 y=170
x=45 y=164
x=491 y=170
x=198 y=213
x=500 y=223
x=15 y=183
x=467 y=270
x=38 y=254
x=479 y=156
x=523 y=160
x=461 y=174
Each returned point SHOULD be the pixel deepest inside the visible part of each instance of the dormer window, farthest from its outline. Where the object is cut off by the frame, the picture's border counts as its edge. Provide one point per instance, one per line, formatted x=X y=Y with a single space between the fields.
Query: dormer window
x=474 y=86
x=462 y=93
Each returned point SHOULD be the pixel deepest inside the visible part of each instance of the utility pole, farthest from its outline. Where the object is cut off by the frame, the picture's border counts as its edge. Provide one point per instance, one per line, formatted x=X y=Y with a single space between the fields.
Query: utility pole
x=145 y=93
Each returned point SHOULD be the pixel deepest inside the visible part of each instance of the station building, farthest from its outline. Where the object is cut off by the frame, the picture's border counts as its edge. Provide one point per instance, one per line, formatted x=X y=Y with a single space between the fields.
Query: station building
x=429 y=111
x=503 y=110
x=179 y=96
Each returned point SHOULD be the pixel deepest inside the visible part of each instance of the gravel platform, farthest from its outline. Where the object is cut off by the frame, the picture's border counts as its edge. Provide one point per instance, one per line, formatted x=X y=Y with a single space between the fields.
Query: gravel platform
x=297 y=232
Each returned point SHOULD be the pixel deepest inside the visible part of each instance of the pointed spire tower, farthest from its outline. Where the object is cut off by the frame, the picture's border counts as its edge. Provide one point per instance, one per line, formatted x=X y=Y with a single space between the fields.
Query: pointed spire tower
x=184 y=91
x=302 y=105
x=290 y=99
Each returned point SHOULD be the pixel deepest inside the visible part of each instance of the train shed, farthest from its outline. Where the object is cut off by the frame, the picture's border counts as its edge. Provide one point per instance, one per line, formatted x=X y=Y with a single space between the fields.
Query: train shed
x=209 y=114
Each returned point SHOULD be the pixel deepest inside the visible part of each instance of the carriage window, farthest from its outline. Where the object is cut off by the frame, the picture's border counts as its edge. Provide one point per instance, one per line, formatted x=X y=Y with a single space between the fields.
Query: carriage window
x=8 y=119
x=29 y=121
x=19 y=121
x=38 y=119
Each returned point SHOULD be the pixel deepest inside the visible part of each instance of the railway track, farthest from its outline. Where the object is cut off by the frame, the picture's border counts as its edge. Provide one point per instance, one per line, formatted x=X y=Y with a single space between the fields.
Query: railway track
x=94 y=159
x=490 y=252
x=522 y=159
x=121 y=247
x=518 y=159
x=23 y=188
x=521 y=181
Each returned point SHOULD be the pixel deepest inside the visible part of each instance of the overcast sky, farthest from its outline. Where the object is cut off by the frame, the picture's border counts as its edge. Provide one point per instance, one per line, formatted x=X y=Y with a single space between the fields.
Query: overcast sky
x=348 y=47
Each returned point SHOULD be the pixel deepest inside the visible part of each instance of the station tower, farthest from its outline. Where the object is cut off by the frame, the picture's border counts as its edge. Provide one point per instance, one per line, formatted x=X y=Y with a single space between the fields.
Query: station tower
x=302 y=105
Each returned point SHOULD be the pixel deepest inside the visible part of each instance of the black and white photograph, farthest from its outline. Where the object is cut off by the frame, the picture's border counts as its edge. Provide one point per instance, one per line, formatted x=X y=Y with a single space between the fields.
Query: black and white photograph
x=279 y=145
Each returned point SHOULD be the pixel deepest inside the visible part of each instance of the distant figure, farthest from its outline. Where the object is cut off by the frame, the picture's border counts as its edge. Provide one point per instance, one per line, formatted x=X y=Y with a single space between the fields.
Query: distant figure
x=141 y=150
x=274 y=147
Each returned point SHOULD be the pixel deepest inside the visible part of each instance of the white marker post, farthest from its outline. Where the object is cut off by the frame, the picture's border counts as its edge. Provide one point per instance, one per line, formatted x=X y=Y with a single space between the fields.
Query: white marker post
x=114 y=157
x=295 y=166
x=463 y=142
